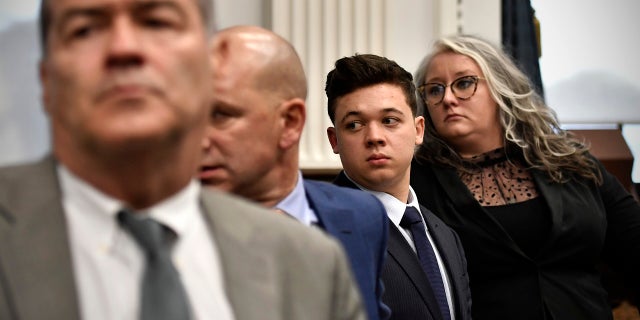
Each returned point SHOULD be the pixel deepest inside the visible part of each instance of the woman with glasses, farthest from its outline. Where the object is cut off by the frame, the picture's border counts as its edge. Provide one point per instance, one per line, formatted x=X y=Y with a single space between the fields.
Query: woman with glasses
x=536 y=213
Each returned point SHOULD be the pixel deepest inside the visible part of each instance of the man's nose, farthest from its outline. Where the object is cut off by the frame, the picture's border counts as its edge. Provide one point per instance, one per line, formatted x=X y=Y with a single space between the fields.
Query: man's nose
x=374 y=135
x=124 y=44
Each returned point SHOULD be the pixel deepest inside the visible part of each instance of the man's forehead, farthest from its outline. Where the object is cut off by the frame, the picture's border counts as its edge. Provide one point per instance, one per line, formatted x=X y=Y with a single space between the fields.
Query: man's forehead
x=58 y=5
x=235 y=65
x=369 y=110
x=355 y=109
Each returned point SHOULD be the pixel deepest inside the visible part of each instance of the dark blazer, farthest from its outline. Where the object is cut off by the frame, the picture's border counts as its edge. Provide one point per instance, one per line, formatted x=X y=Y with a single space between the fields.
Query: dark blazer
x=588 y=222
x=266 y=259
x=407 y=290
x=359 y=221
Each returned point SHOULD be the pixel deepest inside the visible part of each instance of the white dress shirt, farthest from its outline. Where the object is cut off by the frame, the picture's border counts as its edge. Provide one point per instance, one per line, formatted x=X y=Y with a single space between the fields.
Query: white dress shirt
x=108 y=263
x=395 y=210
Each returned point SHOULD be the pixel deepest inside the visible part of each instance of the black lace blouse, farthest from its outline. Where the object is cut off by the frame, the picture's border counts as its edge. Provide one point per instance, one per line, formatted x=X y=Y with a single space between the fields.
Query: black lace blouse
x=495 y=179
x=508 y=193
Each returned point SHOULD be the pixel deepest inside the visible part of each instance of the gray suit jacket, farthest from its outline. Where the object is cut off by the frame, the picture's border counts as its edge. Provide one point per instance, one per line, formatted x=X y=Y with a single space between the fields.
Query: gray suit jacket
x=274 y=267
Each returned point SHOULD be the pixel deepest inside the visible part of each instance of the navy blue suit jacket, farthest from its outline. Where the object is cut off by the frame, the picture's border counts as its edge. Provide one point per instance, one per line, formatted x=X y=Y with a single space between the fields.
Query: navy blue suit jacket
x=359 y=221
x=408 y=292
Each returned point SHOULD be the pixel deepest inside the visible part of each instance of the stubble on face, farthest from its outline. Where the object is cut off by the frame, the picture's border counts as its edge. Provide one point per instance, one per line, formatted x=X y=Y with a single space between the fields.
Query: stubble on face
x=115 y=84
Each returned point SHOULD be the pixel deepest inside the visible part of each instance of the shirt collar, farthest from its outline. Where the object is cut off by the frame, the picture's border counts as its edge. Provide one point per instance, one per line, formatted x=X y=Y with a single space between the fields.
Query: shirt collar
x=180 y=210
x=394 y=207
x=175 y=212
x=85 y=196
x=297 y=205
x=413 y=199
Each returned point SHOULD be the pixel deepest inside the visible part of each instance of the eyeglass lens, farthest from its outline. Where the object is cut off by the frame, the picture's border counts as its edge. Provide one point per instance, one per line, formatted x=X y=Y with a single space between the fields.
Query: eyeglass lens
x=463 y=88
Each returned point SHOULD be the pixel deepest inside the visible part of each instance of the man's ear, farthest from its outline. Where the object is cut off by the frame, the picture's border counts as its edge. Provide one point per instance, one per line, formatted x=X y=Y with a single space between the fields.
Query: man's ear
x=419 y=122
x=333 y=139
x=293 y=115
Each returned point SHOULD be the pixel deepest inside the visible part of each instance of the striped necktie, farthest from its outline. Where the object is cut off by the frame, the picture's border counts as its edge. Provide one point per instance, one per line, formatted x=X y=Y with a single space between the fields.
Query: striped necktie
x=411 y=220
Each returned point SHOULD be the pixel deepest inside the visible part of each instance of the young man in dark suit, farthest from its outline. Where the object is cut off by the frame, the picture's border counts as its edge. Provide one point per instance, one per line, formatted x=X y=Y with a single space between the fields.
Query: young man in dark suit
x=372 y=104
x=252 y=145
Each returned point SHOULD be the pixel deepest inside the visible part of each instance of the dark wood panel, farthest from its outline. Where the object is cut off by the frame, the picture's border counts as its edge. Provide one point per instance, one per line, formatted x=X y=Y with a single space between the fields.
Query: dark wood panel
x=612 y=150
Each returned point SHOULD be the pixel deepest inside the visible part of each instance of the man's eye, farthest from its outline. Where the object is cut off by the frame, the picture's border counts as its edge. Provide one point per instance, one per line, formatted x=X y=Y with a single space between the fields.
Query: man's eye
x=81 y=32
x=219 y=116
x=157 y=23
x=354 y=125
x=390 y=121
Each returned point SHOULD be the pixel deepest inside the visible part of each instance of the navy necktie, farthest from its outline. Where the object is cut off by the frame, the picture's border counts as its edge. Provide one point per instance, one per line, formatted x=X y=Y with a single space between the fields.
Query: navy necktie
x=411 y=220
x=163 y=296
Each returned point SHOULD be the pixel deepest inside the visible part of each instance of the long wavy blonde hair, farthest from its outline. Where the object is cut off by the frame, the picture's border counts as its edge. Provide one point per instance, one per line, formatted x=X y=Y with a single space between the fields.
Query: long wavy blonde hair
x=530 y=127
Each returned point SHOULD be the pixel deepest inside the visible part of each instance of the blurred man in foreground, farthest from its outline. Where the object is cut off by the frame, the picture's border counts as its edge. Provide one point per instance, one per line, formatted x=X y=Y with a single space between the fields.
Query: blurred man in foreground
x=112 y=225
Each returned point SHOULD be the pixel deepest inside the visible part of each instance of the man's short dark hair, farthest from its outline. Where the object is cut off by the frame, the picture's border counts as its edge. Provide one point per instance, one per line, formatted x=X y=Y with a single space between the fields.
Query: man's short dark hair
x=44 y=20
x=365 y=70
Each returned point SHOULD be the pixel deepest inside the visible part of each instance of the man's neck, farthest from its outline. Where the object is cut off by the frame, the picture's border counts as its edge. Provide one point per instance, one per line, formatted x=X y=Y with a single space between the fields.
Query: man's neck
x=283 y=183
x=138 y=179
x=399 y=189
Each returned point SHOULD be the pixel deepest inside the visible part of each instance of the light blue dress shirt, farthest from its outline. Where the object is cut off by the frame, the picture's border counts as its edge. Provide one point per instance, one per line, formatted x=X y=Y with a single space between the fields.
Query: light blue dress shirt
x=297 y=205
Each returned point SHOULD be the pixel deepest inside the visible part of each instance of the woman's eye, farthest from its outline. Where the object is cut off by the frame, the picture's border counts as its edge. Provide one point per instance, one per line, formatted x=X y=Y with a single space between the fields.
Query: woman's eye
x=435 y=90
x=464 y=83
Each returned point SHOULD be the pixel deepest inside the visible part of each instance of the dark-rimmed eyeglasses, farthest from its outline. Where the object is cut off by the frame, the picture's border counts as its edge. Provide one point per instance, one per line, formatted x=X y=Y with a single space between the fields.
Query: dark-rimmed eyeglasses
x=463 y=88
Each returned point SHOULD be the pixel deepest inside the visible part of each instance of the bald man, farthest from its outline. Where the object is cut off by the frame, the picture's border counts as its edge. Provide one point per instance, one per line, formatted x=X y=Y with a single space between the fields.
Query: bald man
x=251 y=149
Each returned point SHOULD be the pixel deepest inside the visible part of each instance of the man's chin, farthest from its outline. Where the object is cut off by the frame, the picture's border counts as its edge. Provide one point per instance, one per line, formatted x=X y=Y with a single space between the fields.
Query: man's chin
x=217 y=185
x=378 y=180
x=138 y=137
x=129 y=145
x=214 y=179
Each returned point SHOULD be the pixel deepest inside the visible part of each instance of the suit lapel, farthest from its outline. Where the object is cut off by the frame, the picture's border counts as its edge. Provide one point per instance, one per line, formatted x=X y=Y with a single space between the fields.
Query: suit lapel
x=552 y=193
x=35 y=247
x=333 y=219
x=466 y=205
x=343 y=181
x=249 y=272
